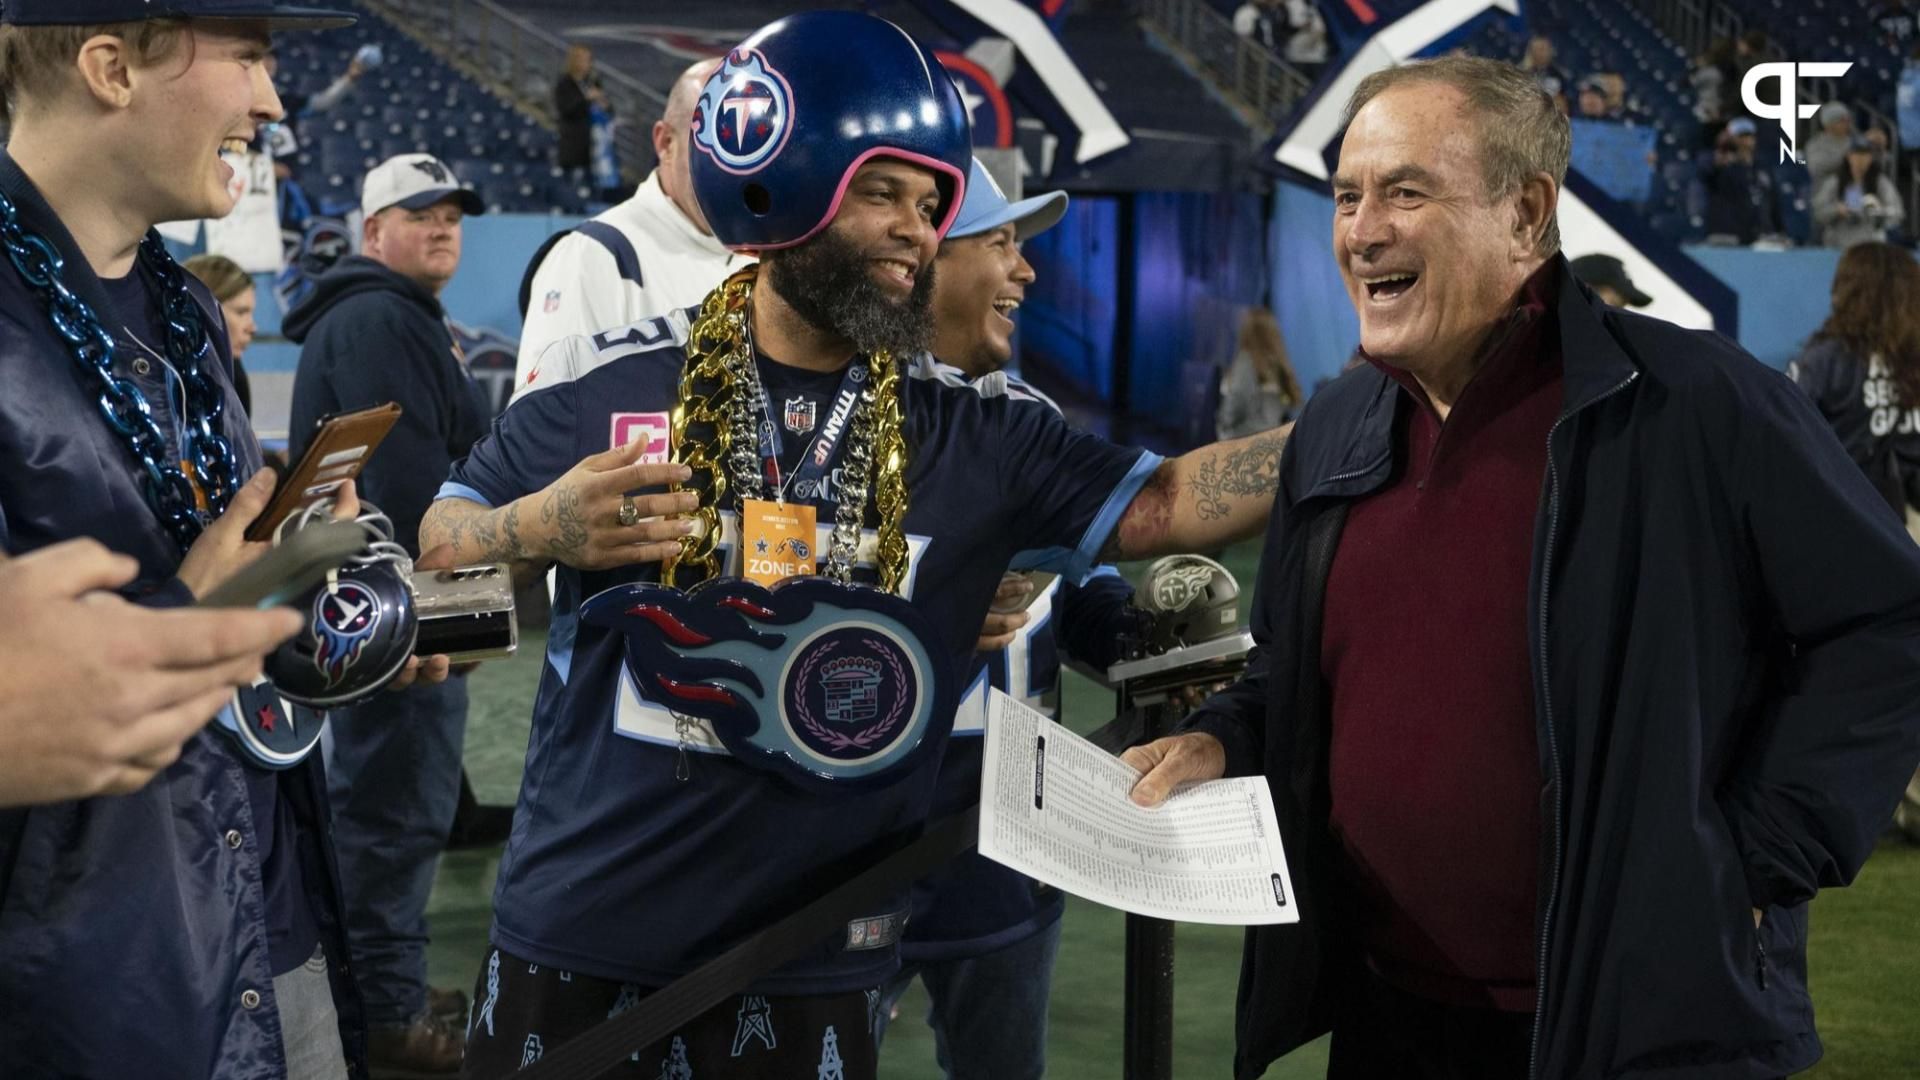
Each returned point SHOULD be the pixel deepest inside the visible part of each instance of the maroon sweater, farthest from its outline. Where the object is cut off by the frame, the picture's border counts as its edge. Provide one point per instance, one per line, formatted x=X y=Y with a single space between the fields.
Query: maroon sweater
x=1435 y=769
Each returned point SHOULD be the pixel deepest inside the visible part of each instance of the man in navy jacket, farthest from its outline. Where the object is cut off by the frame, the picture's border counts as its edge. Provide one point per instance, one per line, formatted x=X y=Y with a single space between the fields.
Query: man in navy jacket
x=372 y=332
x=190 y=927
x=1586 y=656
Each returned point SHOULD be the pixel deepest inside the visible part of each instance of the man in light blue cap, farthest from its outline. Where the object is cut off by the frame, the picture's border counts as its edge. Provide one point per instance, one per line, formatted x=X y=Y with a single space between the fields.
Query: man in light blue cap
x=982 y=277
x=982 y=938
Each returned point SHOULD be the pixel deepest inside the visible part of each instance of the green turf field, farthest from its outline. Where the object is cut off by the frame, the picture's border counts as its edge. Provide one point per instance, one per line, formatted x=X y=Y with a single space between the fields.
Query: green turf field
x=1865 y=954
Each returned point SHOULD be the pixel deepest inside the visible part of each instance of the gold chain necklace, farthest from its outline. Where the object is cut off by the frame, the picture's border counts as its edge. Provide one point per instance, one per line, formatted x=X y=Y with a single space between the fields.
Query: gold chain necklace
x=713 y=424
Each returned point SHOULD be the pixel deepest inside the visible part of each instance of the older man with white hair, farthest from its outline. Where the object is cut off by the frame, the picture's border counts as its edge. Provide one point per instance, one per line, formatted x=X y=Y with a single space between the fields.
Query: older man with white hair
x=1585 y=655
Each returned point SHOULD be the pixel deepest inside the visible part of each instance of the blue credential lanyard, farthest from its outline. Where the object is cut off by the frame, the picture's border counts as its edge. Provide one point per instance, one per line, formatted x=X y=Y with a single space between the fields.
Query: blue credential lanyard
x=818 y=460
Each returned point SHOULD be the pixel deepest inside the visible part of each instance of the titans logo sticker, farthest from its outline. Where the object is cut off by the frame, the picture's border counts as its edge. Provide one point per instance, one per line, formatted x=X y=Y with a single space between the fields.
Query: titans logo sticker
x=743 y=119
x=822 y=683
x=271 y=731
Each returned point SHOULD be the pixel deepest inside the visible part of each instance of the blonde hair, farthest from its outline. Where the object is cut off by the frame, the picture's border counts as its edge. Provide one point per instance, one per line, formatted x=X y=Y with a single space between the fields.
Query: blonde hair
x=1262 y=345
x=220 y=274
x=34 y=59
x=1521 y=132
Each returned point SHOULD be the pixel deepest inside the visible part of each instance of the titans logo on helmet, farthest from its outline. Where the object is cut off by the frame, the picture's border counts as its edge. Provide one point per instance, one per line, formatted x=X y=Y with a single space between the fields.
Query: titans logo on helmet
x=344 y=619
x=744 y=118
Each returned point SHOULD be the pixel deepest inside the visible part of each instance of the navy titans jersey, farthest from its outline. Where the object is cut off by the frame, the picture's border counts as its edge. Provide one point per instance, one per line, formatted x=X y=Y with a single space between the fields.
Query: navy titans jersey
x=973 y=905
x=616 y=868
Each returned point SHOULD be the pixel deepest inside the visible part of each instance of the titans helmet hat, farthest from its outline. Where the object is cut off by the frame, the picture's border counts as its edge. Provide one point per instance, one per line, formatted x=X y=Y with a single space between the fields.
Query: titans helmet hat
x=793 y=112
x=278 y=16
x=986 y=208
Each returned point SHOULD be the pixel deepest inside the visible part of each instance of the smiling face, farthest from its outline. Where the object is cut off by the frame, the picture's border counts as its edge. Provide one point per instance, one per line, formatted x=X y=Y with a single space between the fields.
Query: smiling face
x=185 y=111
x=1430 y=263
x=869 y=277
x=420 y=244
x=982 y=281
x=887 y=215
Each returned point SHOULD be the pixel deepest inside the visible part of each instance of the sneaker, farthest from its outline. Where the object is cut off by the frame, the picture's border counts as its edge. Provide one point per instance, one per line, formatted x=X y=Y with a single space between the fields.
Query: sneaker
x=427 y=1048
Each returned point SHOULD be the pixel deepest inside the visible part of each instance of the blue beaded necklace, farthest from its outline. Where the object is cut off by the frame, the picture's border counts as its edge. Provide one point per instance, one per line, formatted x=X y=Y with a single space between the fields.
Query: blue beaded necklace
x=168 y=490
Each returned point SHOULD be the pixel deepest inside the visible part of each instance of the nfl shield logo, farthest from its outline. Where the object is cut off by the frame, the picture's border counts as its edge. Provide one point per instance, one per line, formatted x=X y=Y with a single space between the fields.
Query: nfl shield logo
x=552 y=303
x=800 y=414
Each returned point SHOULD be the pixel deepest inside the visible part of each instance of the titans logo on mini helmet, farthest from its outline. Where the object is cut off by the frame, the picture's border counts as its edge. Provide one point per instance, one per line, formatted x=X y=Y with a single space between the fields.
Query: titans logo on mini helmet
x=798 y=107
x=344 y=619
x=360 y=631
x=745 y=115
x=821 y=683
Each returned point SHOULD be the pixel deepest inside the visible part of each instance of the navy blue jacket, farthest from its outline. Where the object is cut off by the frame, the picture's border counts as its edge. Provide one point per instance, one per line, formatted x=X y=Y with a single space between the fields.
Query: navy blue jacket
x=1726 y=658
x=370 y=336
x=131 y=929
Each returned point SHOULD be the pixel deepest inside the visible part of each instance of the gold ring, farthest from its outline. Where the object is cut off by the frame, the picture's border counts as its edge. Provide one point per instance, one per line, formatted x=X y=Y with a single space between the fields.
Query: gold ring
x=629 y=513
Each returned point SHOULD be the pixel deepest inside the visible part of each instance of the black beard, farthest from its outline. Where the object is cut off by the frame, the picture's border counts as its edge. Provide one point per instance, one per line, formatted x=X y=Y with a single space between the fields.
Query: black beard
x=829 y=283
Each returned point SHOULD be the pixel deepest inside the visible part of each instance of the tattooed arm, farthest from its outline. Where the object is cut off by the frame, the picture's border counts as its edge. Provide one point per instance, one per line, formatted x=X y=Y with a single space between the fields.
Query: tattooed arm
x=1202 y=500
x=482 y=534
x=574 y=520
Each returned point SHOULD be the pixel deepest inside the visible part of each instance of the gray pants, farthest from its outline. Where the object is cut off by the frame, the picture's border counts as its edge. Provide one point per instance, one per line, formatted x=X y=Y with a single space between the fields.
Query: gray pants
x=309 y=1027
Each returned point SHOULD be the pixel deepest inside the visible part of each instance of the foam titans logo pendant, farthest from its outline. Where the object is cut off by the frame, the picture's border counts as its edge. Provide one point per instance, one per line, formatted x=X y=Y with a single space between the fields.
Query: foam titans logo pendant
x=825 y=684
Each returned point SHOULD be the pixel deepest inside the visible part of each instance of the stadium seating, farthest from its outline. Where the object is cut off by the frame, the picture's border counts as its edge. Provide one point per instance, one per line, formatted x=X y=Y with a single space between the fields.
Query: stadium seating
x=1620 y=38
x=1832 y=30
x=415 y=102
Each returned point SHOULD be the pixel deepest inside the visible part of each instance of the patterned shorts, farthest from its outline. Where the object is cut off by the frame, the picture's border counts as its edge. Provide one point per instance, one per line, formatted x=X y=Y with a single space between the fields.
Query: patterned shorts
x=522 y=1010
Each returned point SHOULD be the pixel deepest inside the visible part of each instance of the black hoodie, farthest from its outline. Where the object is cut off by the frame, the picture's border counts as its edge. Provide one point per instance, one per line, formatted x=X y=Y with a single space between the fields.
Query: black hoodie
x=369 y=336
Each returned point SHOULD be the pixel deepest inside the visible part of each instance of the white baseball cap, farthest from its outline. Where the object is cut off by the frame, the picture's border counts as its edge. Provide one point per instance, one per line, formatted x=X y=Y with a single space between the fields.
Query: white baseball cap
x=415 y=181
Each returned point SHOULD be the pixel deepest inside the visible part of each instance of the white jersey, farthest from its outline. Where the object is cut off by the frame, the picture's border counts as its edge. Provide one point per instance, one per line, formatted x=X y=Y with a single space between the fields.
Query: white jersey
x=584 y=286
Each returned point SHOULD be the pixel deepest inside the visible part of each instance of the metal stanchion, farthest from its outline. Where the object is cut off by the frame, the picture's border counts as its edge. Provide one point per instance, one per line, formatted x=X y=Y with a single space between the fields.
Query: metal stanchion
x=1149 y=699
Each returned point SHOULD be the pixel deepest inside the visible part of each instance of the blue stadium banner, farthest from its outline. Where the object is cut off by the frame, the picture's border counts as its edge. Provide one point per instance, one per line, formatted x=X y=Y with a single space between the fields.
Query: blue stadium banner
x=1616 y=157
x=1046 y=81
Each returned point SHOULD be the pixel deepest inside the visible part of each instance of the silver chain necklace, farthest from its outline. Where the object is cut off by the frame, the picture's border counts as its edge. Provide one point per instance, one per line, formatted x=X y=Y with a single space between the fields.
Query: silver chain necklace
x=748 y=409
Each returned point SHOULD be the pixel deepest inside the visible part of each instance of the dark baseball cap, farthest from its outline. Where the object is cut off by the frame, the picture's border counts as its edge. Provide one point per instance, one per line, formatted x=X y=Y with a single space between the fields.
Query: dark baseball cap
x=278 y=16
x=1606 y=270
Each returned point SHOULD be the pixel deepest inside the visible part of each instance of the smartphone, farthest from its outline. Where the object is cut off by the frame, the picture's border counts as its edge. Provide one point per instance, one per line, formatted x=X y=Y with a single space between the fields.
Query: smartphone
x=340 y=449
x=296 y=564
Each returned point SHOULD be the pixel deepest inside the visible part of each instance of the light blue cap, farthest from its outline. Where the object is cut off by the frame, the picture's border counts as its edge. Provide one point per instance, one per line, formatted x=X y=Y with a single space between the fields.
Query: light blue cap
x=985 y=209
